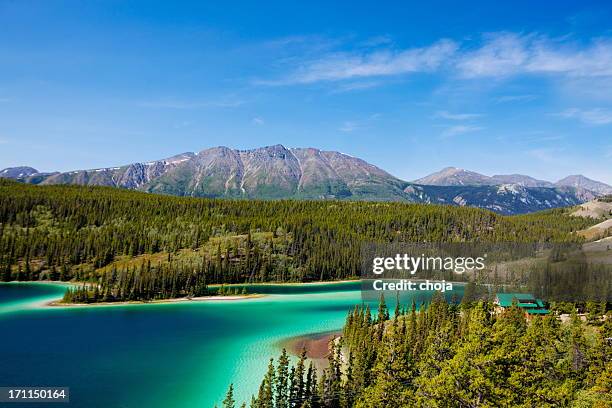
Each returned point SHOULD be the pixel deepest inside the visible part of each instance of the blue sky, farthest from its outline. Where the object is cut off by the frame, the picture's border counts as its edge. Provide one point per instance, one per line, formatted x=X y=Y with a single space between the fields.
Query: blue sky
x=524 y=87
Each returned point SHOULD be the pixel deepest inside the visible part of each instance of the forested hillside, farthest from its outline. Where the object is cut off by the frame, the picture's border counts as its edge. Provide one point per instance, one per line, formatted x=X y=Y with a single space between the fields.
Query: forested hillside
x=141 y=246
x=448 y=355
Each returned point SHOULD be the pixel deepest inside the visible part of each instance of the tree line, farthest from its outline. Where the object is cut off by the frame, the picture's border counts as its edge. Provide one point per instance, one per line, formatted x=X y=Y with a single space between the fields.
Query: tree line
x=141 y=246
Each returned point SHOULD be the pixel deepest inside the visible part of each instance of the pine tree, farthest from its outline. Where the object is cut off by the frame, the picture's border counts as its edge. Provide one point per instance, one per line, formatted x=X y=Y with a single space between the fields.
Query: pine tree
x=229 y=402
x=282 y=381
x=265 y=397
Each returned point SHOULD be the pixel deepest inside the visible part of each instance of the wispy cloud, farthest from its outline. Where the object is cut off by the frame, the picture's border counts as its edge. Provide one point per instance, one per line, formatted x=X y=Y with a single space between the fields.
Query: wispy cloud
x=352 y=65
x=457 y=130
x=190 y=104
x=515 y=98
x=505 y=54
x=456 y=116
x=258 y=121
x=500 y=54
x=596 y=116
x=356 y=86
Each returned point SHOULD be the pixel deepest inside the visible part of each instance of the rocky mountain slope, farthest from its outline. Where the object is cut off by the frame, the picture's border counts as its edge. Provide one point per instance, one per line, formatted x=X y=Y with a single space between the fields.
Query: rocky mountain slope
x=503 y=199
x=579 y=181
x=453 y=176
x=275 y=172
x=520 y=179
x=267 y=172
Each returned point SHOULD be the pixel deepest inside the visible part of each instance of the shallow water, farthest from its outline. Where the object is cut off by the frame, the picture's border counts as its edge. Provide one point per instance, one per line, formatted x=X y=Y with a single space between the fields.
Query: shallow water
x=181 y=354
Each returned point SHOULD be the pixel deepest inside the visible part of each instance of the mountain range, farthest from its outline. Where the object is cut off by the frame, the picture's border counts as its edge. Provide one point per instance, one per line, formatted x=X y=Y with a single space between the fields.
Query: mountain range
x=276 y=172
x=453 y=176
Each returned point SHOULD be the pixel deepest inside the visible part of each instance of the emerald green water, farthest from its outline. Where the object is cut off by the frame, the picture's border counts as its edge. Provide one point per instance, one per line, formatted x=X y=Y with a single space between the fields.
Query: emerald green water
x=157 y=355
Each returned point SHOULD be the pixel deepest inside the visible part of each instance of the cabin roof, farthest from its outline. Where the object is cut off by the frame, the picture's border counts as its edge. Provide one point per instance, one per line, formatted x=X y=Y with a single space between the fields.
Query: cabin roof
x=523 y=300
x=537 y=311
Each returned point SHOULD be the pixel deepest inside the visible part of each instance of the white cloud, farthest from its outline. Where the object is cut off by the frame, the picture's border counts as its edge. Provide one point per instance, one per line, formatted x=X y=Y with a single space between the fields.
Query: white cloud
x=460 y=129
x=494 y=55
x=456 y=116
x=596 y=116
x=578 y=67
x=346 y=65
x=505 y=54
x=258 y=121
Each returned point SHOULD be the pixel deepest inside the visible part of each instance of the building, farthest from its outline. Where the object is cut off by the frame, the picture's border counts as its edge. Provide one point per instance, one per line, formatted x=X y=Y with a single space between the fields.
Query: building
x=525 y=301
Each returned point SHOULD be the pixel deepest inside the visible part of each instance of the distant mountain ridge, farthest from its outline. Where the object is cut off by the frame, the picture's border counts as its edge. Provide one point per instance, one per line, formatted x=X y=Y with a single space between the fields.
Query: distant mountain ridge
x=276 y=172
x=579 y=181
x=18 y=172
x=453 y=176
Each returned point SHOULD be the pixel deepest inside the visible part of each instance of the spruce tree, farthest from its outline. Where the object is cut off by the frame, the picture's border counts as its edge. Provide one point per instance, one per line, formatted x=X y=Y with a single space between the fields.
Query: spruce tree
x=229 y=401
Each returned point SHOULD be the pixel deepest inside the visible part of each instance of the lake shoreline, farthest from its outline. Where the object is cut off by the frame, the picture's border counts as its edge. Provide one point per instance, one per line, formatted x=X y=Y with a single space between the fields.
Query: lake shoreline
x=236 y=338
x=287 y=283
x=57 y=303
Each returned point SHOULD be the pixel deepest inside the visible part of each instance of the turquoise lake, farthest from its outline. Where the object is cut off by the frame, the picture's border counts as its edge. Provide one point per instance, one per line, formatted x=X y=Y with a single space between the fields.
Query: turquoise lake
x=182 y=354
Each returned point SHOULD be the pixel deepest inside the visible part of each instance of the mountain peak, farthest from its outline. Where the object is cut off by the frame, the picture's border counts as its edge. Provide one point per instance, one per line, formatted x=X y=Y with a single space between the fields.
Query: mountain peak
x=582 y=182
x=17 y=172
x=271 y=148
x=454 y=176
